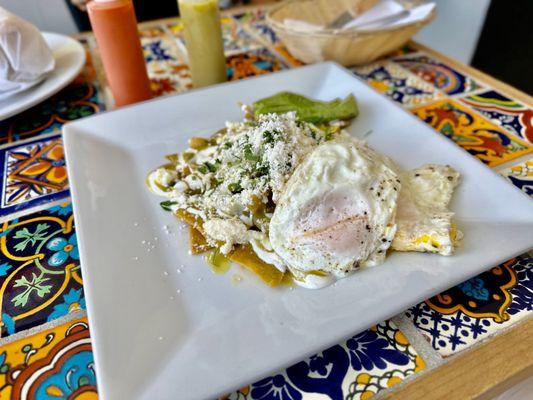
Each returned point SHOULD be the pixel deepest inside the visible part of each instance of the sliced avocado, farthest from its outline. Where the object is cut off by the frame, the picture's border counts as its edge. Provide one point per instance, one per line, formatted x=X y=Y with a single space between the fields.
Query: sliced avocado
x=306 y=109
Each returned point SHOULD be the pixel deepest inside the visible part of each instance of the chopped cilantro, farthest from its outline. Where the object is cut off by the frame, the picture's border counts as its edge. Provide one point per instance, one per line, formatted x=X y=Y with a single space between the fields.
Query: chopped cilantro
x=165 y=205
x=249 y=155
x=260 y=170
x=212 y=167
x=267 y=135
x=235 y=187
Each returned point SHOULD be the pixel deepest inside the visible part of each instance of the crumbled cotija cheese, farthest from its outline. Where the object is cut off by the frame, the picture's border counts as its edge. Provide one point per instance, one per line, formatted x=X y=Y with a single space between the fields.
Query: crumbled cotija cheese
x=234 y=182
x=226 y=230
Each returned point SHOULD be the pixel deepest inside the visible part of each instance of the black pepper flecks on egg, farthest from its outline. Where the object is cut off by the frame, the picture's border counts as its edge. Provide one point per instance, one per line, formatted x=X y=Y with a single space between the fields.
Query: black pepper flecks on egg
x=417 y=175
x=384 y=240
x=450 y=178
x=367 y=227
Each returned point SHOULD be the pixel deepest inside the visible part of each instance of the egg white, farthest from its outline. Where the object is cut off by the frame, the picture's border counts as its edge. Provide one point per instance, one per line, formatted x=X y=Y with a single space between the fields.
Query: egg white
x=424 y=221
x=337 y=210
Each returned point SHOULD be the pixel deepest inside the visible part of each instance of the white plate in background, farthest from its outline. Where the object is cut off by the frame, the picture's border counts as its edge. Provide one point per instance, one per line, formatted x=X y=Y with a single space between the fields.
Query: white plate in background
x=151 y=342
x=69 y=57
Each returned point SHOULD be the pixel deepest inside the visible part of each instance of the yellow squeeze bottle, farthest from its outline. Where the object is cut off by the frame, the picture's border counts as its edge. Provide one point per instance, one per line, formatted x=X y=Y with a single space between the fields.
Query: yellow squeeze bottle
x=203 y=39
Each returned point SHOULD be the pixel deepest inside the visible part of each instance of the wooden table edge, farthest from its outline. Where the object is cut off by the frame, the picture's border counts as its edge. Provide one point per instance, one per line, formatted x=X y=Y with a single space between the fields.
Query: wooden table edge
x=480 y=373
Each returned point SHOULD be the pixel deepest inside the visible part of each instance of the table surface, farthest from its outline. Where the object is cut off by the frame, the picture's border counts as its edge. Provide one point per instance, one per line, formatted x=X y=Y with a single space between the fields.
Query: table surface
x=457 y=342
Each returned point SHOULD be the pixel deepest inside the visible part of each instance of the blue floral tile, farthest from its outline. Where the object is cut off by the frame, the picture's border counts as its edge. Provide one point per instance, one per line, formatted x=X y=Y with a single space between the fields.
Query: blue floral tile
x=264 y=31
x=157 y=45
x=33 y=173
x=236 y=38
x=356 y=369
x=40 y=276
x=441 y=76
x=398 y=84
x=154 y=51
x=459 y=317
x=256 y=23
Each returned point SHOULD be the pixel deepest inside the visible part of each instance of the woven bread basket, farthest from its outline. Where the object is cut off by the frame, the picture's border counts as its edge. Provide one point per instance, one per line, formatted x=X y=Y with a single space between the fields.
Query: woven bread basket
x=348 y=47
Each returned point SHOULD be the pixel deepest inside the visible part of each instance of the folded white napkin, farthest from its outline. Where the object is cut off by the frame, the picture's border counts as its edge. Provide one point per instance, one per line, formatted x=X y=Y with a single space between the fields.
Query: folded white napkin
x=25 y=58
x=385 y=14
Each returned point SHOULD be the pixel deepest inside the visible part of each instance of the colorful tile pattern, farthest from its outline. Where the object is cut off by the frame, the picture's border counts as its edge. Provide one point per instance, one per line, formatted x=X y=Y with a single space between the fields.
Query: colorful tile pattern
x=261 y=28
x=255 y=23
x=167 y=77
x=249 y=17
x=438 y=74
x=371 y=361
x=165 y=62
x=237 y=39
x=53 y=364
x=40 y=277
x=459 y=317
x=253 y=63
x=33 y=173
x=484 y=140
x=244 y=65
x=39 y=269
x=521 y=176
x=284 y=53
x=501 y=110
x=158 y=49
x=398 y=84
x=79 y=99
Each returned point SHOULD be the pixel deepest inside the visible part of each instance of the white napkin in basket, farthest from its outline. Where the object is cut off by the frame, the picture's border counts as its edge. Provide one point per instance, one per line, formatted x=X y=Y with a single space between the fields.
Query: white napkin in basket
x=385 y=14
x=25 y=58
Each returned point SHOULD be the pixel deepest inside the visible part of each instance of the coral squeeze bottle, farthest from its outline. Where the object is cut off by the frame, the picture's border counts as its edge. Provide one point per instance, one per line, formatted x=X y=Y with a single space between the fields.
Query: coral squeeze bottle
x=115 y=28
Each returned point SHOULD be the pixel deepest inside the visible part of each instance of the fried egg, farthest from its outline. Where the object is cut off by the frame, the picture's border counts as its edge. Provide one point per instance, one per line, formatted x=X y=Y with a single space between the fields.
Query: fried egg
x=424 y=222
x=337 y=212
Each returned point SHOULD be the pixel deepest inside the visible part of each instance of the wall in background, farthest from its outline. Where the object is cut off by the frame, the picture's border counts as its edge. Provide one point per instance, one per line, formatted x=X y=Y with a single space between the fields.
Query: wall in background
x=456 y=29
x=47 y=15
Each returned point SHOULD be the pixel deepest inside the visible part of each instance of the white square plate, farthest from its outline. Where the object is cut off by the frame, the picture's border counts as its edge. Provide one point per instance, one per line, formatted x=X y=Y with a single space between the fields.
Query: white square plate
x=151 y=342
